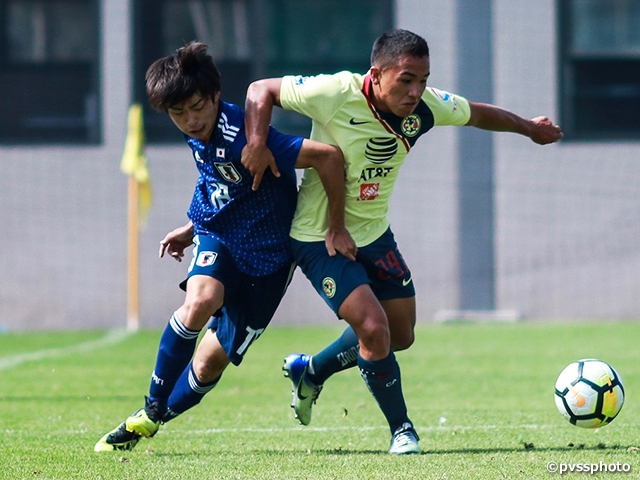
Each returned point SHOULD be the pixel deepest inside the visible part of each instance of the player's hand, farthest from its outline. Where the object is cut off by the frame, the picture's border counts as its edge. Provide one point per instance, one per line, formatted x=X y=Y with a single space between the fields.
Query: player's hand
x=543 y=131
x=256 y=159
x=176 y=241
x=340 y=241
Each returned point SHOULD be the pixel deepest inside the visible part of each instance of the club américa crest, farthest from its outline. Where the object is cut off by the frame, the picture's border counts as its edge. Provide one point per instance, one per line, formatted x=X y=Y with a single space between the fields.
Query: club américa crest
x=329 y=287
x=411 y=125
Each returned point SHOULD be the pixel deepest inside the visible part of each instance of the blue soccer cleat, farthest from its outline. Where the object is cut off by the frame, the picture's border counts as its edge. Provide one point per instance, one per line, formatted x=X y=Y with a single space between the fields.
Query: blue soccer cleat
x=305 y=393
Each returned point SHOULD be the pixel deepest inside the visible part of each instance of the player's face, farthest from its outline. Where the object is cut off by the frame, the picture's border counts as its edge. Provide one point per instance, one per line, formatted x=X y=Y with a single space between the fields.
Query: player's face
x=196 y=116
x=398 y=88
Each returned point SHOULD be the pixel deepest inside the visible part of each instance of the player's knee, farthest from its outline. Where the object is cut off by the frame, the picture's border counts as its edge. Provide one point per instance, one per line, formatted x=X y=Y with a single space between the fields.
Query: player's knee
x=374 y=334
x=208 y=370
x=201 y=305
x=197 y=310
x=207 y=373
x=403 y=341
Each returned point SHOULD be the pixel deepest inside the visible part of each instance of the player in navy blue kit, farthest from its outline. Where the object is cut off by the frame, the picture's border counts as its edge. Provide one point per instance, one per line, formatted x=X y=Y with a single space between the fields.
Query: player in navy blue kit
x=242 y=260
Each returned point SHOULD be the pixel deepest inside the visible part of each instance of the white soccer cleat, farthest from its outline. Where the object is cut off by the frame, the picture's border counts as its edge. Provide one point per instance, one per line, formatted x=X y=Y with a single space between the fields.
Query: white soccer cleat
x=305 y=393
x=404 y=440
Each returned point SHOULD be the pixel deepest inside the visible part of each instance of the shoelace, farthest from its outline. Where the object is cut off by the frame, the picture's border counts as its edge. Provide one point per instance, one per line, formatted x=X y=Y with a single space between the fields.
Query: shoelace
x=405 y=438
x=316 y=393
x=153 y=412
x=406 y=431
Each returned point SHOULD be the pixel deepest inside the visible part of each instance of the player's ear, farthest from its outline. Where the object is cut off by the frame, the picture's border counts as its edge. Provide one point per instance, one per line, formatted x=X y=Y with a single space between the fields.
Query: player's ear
x=375 y=73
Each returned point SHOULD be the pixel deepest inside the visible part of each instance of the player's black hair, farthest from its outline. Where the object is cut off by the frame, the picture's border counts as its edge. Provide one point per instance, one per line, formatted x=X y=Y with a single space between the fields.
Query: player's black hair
x=174 y=79
x=389 y=46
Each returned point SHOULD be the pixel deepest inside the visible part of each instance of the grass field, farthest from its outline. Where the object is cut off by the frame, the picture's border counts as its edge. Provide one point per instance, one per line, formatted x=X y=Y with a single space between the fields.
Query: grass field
x=481 y=397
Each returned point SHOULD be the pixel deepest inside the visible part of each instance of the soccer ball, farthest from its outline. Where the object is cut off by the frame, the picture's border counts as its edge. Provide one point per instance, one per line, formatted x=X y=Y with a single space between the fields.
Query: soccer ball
x=589 y=393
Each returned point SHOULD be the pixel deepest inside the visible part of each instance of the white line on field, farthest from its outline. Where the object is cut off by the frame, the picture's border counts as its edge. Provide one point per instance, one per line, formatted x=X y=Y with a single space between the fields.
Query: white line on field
x=452 y=428
x=432 y=428
x=112 y=337
x=353 y=428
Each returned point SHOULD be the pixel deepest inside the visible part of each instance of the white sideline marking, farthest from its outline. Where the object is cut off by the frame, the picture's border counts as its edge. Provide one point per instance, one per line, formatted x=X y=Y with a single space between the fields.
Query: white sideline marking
x=420 y=429
x=354 y=428
x=112 y=336
x=451 y=428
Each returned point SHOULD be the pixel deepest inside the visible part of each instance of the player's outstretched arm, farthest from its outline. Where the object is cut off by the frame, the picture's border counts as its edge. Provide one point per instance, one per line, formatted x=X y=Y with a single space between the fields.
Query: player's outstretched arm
x=176 y=241
x=328 y=161
x=262 y=95
x=489 y=117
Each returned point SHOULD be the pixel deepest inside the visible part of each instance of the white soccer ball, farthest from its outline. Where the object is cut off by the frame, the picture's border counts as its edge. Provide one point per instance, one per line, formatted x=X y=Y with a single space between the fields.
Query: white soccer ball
x=589 y=393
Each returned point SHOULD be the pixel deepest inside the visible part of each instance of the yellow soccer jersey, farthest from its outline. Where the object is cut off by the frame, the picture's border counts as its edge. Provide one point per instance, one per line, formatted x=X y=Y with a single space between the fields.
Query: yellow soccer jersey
x=374 y=144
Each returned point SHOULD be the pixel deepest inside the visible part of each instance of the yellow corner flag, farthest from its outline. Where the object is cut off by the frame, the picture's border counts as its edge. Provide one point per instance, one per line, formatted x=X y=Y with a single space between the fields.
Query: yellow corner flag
x=134 y=162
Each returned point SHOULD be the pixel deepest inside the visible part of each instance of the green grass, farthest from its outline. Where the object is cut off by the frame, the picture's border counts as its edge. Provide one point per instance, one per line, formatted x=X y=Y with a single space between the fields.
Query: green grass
x=481 y=397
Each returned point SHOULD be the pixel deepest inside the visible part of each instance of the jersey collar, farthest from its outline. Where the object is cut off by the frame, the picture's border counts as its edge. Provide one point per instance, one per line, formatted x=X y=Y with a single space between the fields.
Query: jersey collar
x=367 y=91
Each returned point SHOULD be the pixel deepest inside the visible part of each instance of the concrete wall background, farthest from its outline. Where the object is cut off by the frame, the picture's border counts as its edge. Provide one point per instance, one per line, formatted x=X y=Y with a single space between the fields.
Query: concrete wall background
x=566 y=216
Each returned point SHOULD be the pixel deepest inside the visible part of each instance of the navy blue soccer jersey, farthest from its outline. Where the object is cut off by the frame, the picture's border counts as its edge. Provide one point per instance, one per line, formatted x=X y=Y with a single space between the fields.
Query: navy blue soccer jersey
x=254 y=225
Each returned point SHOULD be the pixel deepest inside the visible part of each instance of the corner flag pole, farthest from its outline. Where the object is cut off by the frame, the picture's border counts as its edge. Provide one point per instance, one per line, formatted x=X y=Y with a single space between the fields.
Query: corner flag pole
x=139 y=196
x=133 y=259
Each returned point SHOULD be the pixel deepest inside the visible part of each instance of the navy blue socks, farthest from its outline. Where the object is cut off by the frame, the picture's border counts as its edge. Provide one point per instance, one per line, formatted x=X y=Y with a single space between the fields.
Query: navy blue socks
x=340 y=355
x=382 y=377
x=187 y=393
x=177 y=345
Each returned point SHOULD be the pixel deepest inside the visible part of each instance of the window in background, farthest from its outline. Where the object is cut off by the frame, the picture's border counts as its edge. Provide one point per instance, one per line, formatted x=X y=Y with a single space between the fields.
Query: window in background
x=600 y=68
x=49 y=71
x=251 y=39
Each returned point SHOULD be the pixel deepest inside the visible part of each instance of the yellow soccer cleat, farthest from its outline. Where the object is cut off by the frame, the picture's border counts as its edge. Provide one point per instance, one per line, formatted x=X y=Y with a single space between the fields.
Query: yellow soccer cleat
x=117 y=439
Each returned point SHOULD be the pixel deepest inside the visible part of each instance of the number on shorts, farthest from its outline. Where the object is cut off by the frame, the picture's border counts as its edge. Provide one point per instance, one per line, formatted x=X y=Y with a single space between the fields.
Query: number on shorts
x=252 y=335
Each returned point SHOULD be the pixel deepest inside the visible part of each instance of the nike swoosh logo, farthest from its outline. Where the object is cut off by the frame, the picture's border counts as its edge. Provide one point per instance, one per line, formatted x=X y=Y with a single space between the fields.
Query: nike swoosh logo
x=580 y=401
x=353 y=121
x=406 y=282
x=298 y=394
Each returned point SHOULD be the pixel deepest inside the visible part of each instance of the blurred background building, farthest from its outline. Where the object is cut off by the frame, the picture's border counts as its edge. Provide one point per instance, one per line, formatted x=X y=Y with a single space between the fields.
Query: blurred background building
x=489 y=223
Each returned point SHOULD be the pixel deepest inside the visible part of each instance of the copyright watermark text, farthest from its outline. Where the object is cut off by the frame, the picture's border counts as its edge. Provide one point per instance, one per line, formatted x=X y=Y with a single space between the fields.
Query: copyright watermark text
x=591 y=468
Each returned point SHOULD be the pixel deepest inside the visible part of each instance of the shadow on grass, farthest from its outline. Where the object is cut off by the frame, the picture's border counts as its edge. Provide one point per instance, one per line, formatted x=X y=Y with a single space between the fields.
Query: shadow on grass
x=527 y=449
x=482 y=451
x=457 y=451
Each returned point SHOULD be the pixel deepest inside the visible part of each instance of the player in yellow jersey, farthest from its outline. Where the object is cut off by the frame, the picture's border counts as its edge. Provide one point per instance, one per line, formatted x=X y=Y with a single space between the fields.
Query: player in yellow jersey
x=375 y=119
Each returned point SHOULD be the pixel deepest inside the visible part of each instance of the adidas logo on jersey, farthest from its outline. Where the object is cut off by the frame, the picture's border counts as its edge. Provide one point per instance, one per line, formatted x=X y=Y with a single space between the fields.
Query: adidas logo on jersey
x=229 y=132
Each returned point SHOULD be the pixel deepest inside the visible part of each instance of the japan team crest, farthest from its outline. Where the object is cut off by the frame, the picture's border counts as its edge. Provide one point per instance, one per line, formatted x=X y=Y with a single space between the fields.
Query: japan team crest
x=411 y=125
x=206 y=258
x=228 y=172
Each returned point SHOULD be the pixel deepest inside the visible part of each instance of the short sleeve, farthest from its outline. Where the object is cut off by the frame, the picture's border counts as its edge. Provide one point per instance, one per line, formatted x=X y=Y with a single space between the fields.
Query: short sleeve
x=447 y=108
x=285 y=148
x=317 y=97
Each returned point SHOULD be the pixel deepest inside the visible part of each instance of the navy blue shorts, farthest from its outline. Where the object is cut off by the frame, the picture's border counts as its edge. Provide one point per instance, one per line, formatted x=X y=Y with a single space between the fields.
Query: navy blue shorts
x=249 y=302
x=379 y=264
